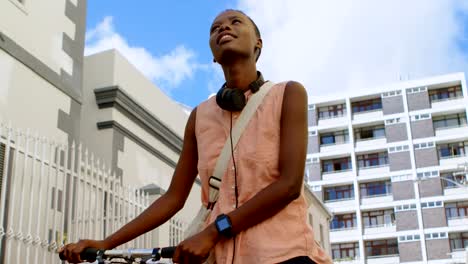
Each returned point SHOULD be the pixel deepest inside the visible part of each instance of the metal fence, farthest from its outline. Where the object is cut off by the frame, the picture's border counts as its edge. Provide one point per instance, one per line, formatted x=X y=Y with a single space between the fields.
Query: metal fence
x=54 y=193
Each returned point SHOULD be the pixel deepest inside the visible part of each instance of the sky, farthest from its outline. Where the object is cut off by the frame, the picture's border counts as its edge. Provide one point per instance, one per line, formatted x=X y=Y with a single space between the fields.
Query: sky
x=331 y=47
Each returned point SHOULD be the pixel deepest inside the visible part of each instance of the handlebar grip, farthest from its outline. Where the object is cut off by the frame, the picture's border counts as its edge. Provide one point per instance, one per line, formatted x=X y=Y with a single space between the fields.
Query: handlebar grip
x=88 y=254
x=167 y=252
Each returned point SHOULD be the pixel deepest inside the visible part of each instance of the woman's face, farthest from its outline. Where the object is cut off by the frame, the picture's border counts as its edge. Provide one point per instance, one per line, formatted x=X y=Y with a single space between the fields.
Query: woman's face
x=232 y=34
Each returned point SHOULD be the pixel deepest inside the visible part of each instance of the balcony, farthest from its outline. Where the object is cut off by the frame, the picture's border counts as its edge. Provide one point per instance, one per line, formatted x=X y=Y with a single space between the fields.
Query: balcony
x=446 y=97
x=344 y=235
x=371 y=164
x=457 y=221
x=371 y=143
x=367 y=110
x=450 y=132
x=334 y=149
x=452 y=154
x=336 y=176
x=349 y=260
x=459 y=256
x=384 y=229
x=341 y=205
x=377 y=199
x=386 y=259
x=332 y=115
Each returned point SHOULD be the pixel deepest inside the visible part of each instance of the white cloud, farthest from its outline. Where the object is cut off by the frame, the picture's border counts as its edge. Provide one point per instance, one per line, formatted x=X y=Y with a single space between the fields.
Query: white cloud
x=169 y=70
x=335 y=46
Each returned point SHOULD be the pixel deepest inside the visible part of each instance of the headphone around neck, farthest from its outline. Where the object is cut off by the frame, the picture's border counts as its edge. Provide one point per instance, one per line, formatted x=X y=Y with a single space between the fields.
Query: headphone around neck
x=232 y=99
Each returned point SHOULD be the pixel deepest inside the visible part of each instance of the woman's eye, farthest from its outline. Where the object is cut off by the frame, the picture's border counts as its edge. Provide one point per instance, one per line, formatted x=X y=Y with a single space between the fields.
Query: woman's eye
x=213 y=29
x=236 y=21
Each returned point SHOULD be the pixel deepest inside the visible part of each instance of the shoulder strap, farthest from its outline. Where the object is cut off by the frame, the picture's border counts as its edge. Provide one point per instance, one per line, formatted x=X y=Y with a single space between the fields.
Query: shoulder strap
x=244 y=118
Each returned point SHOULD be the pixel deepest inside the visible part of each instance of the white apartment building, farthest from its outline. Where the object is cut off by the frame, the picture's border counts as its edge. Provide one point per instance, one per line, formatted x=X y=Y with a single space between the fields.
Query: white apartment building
x=387 y=164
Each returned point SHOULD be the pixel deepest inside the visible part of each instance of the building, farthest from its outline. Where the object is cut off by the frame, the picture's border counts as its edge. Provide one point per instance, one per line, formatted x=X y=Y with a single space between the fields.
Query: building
x=319 y=218
x=52 y=188
x=386 y=164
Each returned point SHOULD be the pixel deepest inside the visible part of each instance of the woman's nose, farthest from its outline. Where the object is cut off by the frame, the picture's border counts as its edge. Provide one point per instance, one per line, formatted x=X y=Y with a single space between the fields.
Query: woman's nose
x=223 y=27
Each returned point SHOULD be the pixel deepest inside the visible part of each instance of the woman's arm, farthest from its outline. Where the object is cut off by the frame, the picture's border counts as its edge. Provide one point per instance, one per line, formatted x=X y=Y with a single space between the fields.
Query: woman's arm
x=276 y=196
x=161 y=210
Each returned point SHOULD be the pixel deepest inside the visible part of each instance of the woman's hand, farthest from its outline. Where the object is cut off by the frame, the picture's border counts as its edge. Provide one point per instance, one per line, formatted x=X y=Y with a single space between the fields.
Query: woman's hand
x=196 y=249
x=72 y=251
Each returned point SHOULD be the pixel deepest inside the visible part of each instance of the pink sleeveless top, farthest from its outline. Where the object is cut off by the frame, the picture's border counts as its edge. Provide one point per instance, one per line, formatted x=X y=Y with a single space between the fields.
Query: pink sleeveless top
x=283 y=236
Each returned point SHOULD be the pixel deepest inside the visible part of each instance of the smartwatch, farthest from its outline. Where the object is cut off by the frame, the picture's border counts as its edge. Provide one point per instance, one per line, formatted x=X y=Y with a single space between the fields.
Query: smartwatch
x=223 y=225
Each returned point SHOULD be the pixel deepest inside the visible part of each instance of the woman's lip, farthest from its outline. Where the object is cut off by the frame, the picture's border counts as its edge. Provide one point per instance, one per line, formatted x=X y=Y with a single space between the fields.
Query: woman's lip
x=223 y=34
x=225 y=38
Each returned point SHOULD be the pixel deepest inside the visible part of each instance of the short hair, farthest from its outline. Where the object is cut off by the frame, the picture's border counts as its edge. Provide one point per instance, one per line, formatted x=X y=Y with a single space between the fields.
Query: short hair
x=257 y=31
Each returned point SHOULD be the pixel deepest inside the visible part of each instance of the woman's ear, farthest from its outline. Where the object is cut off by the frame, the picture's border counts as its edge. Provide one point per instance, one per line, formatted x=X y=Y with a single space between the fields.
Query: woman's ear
x=214 y=60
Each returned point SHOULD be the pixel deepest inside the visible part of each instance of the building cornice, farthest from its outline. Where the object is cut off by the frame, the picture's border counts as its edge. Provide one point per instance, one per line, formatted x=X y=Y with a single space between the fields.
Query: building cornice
x=117 y=126
x=116 y=97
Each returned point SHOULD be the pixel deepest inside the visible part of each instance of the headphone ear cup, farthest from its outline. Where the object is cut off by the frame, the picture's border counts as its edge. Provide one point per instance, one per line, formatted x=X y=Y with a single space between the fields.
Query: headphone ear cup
x=230 y=99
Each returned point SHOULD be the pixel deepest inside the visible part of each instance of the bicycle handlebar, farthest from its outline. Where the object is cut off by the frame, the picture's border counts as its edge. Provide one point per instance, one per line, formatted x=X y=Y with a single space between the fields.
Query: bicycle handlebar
x=90 y=254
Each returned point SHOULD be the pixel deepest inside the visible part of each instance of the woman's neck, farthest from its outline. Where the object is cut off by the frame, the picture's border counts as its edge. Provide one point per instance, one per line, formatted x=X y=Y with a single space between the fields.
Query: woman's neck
x=240 y=75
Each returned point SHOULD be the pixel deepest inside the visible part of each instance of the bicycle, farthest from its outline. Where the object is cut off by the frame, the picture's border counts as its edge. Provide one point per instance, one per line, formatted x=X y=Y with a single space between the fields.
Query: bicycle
x=128 y=256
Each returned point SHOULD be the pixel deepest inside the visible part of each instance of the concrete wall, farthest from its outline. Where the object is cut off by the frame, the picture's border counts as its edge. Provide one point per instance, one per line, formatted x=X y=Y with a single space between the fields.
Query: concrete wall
x=396 y=132
x=418 y=101
x=426 y=157
x=430 y=187
x=434 y=217
x=437 y=248
x=319 y=217
x=312 y=117
x=422 y=128
x=406 y=220
x=313 y=144
x=410 y=251
x=392 y=105
x=402 y=190
x=399 y=161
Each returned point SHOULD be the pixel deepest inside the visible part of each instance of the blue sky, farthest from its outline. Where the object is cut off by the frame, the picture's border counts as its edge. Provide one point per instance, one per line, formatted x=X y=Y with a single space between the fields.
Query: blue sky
x=330 y=46
x=159 y=27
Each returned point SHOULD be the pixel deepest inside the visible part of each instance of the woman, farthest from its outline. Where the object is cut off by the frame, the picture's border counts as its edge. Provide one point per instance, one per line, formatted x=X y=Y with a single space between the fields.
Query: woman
x=260 y=198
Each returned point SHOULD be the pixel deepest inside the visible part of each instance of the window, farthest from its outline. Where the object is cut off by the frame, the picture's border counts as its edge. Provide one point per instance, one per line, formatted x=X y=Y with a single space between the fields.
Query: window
x=338 y=137
x=322 y=242
x=405 y=207
x=458 y=241
x=372 y=160
x=440 y=235
x=339 y=193
x=392 y=93
x=445 y=93
x=346 y=250
x=176 y=231
x=424 y=145
x=448 y=121
x=409 y=238
x=367 y=105
x=456 y=210
x=345 y=221
x=336 y=165
x=432 y=204
x=378 y=218
x=453 y=149
x=398 y=149
x=427 y=174
x=332 y=111
x=379 y=188
x=416 y=90
x=366 y=133
x=381 y=247
x=421 y=117
x=405 y=177
x=449 y=180
x=394 y=121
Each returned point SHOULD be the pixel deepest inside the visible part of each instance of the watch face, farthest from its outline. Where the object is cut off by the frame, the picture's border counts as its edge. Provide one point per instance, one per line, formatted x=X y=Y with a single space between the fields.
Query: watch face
x=223 y=223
